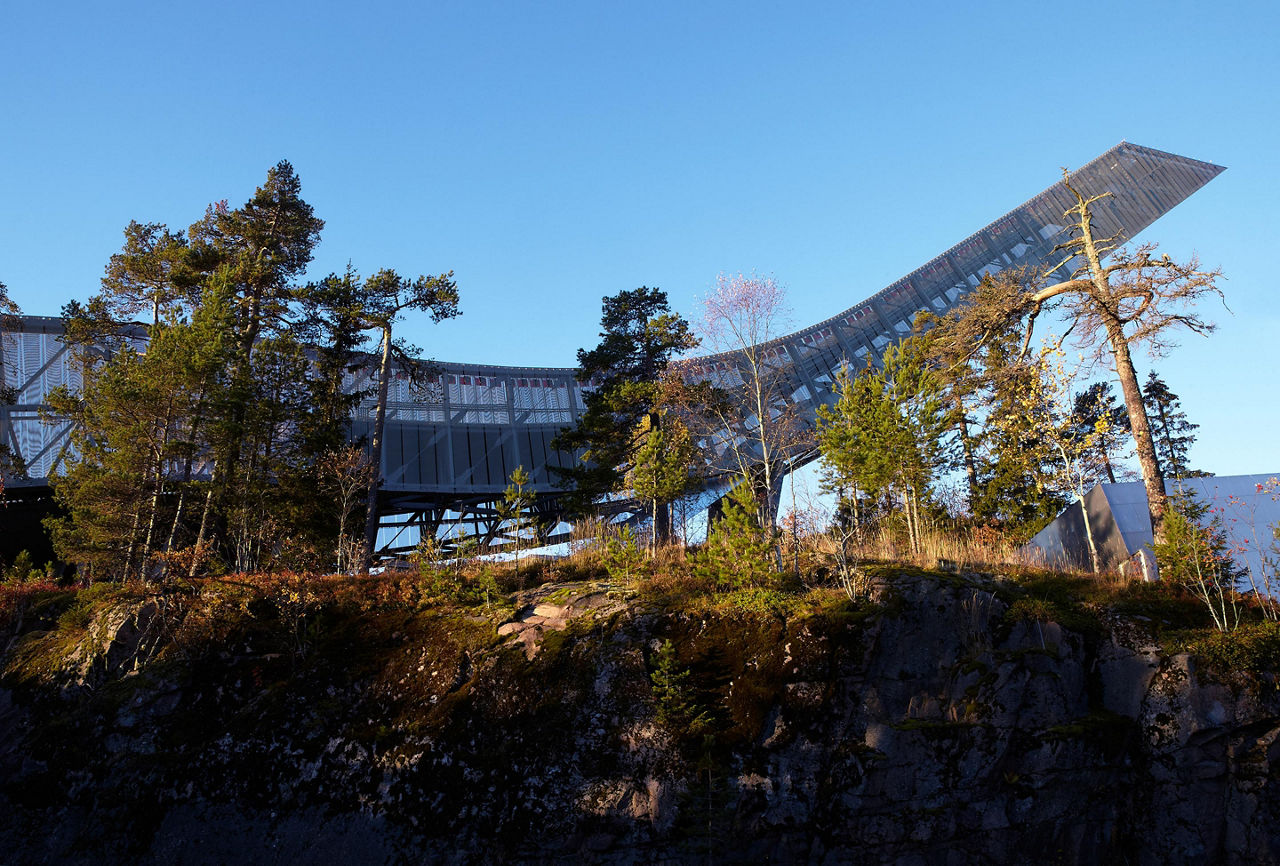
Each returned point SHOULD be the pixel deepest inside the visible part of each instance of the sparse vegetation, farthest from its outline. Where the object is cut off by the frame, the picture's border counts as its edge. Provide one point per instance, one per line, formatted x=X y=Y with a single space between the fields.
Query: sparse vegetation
x=1195 y=554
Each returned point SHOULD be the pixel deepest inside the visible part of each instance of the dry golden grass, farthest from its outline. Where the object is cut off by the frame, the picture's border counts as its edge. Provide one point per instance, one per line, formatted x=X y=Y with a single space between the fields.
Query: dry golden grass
x=954 y=549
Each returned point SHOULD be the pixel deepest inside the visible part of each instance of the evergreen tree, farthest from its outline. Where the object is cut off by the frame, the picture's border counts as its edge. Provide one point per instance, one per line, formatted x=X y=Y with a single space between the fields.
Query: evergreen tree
x=639 y=337
x=1196 y=554
x=387 y=296
x=977 y=352
x=334 y=327
x=739 y=551
x=1030 y=467
x=205 y=429
x=859 y=437
x=1173 y=433
x=883 y=435
x=249 y=258
x=663 y=465
x=150 y=276
x=1098 y=419
x=138 y=434
x=517 y=502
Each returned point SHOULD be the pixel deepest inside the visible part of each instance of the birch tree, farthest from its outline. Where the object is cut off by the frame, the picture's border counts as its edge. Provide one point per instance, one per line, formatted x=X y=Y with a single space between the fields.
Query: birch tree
x=740 y=318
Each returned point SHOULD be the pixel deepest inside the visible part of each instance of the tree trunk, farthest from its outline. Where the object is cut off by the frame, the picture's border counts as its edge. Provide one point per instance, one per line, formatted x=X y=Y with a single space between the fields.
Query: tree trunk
x=661 y=513
x=1152 y=477
x=795 y=521
x=177 y=518
x=375 y=455
x=133 y=540
x=1088 y=535
x=200 y=535
x=1106 y=464
x=657 y=519
x=966 y=449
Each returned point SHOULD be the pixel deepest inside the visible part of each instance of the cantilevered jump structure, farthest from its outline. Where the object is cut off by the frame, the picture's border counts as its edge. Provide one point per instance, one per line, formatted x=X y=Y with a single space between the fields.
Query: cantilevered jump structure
x=451 y=446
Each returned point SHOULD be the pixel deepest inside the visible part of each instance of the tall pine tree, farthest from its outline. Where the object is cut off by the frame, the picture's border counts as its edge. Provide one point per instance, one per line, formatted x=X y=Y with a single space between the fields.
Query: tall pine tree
x=1172 y=432
x=1097 y=418
x=639 y=336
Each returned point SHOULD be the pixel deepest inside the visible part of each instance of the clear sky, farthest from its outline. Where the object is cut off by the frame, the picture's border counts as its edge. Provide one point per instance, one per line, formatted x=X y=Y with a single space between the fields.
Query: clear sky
x=553 y=153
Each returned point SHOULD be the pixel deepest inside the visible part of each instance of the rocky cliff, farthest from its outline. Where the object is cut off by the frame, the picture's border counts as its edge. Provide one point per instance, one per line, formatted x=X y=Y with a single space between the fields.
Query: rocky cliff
x=924 y=725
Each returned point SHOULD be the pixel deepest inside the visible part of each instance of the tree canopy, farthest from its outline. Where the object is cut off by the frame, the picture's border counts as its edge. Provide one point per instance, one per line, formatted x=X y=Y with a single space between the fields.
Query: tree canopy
x=622 y=376
x=204 y=436
x=1136 y=299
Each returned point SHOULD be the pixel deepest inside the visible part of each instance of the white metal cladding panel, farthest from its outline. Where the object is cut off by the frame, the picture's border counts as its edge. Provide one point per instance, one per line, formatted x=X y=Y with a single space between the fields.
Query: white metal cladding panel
x=39 y=444
x=542 y=400
x=37 y=363
x=45 y=365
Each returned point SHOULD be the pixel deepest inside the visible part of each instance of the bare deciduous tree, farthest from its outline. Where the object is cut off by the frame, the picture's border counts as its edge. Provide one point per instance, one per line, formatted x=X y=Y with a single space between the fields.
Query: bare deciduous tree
x=757 y=432
x=348 y=473
x=1133 y=300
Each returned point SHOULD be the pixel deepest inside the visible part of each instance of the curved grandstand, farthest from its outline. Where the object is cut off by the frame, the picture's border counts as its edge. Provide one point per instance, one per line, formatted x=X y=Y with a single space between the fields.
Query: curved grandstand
x=450 y=448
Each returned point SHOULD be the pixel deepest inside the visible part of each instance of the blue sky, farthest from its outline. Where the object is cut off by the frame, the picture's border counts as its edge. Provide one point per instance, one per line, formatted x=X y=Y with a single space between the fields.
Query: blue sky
x=553 y=153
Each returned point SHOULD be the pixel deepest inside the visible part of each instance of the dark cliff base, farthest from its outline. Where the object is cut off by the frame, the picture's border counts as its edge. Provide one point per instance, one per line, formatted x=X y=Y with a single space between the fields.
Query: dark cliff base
x=276 y=722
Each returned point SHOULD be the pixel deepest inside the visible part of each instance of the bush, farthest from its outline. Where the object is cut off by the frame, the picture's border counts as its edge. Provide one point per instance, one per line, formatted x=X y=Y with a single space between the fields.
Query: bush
x=1031 y=610
x=761 y=600
x=1253 y=648
x=436 y=583
x=623 y=557
x=1195 y=554
x=23 y=568
x=677 y=710
x=738 y=552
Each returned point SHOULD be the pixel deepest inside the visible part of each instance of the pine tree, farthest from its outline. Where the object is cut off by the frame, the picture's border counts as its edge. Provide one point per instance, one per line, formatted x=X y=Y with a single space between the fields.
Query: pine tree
x=663 y=465
x=205 y=429
x=517 y=501
x=1173 y=433
x=859 y=437
x=739 y=551
x=139 y=433
x=387 y=296
x=1096 y=417
x=1196 y=554
x=150 y=276
x=883 y=435
x=246 y=261
x=639 y=337
x=977 y=353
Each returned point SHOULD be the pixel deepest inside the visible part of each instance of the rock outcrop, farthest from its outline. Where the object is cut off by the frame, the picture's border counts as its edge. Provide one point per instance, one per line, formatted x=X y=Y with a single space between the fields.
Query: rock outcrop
x=924 y=726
